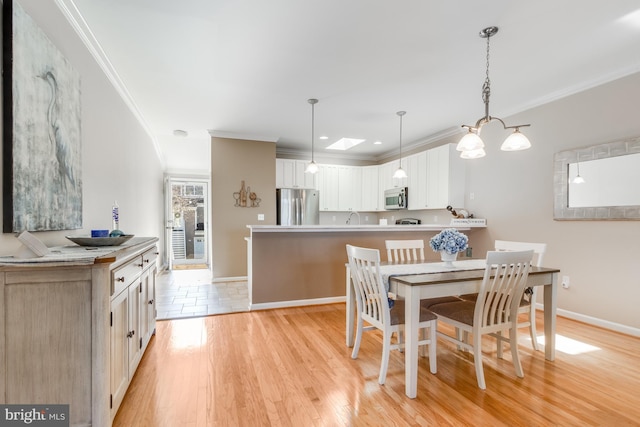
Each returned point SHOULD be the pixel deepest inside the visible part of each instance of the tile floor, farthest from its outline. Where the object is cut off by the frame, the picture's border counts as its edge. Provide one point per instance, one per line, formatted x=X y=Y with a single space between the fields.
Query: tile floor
x=192 y=293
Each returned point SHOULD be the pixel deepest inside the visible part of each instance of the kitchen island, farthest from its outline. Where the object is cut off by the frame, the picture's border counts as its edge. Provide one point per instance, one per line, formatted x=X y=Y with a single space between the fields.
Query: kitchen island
x=305 y=264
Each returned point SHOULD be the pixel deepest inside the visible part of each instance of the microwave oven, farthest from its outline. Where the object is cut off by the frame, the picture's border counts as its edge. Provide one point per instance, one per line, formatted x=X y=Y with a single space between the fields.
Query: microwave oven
x=396 y=198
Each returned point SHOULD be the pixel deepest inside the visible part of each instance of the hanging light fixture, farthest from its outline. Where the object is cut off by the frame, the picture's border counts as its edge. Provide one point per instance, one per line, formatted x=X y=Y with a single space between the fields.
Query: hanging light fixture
x=578 y=179
x=312 y=167
x=471 y=144
x=400 y=173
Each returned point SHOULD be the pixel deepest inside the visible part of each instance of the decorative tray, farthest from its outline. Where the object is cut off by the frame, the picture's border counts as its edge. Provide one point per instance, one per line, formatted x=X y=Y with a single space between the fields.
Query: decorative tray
x=100 y=241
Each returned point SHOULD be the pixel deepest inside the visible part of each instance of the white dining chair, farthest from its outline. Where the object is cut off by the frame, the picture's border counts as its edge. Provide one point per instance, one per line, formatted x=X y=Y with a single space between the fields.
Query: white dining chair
x=528 y=302
x=404 y=250
x=494 y=311
x=373 y=308
x=412 y=250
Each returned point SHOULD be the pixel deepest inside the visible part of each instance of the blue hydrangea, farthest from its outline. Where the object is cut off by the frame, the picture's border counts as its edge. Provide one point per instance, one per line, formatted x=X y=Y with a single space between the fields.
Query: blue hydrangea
x=449 y=240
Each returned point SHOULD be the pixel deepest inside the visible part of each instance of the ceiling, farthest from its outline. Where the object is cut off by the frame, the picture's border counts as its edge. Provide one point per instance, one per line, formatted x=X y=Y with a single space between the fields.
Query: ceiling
x=245 y=68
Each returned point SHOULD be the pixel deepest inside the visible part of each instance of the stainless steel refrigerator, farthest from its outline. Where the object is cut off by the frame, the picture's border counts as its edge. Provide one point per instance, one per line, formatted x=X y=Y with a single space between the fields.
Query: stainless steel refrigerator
x=297 y=206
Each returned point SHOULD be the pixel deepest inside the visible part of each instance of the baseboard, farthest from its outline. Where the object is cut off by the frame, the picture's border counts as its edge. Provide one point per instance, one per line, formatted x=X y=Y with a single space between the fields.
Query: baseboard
x=230 y=279
x=296 y=303
x=617 y=327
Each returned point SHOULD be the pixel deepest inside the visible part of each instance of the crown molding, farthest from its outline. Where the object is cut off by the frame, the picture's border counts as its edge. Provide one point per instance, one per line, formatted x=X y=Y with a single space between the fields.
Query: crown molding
x=246 y=136
x=78 y=23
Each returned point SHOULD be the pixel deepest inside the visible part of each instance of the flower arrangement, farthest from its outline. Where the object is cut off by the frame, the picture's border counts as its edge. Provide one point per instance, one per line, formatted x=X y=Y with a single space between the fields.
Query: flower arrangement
x=449 y=240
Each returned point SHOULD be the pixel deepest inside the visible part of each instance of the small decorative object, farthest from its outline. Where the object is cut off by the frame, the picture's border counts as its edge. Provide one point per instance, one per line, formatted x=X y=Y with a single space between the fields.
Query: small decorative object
x=100 y=241
x=449 y=242
x=460 y=213
x=245 y=194
x=115 y=216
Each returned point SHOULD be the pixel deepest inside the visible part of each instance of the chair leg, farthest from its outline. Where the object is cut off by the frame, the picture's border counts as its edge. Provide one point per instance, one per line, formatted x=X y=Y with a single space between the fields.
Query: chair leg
x=401 y=339
x=477 y=359
x=532 y=325
x=356 y=344
x=433 y=367
x=499 y=334
x=384 y=363
x=513 y=337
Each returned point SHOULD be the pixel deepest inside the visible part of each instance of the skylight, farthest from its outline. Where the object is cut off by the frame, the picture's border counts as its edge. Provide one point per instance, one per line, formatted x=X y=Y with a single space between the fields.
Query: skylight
x=345 y=144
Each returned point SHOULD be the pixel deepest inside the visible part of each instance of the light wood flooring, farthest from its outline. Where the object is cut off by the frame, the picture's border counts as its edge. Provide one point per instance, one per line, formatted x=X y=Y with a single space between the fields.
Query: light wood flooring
x=291 y=367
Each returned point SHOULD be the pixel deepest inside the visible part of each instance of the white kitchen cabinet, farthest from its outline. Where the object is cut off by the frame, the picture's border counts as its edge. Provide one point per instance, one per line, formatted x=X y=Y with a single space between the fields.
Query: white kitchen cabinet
x=445 y=177
x=328 y=187
x=349 y=188
x=417 y=180
x=291 y=174
x=370 y=189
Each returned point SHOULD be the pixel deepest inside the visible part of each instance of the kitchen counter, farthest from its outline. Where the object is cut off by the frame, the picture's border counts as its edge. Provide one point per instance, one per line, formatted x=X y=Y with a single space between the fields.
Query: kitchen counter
x=347 y=228
x=305 y=265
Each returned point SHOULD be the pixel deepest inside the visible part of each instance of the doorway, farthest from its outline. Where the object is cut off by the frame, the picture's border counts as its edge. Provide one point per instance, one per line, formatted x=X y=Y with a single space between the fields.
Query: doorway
x=187 y=213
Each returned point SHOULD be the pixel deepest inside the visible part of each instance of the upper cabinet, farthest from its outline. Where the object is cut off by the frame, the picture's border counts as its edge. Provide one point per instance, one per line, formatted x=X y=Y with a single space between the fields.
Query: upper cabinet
x=290 y=174
x=446 y=174
x=435 y=178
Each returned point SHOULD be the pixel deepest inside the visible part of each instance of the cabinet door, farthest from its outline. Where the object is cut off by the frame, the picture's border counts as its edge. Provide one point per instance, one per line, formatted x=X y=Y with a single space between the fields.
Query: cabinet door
x=370 y=194
x=328 y=187
x=285 y=173
x=119 y=359
x=135 y=339
x=350 y=188
x=147 y=305
x=417 y=180
x=445 y=178
x=303 y=179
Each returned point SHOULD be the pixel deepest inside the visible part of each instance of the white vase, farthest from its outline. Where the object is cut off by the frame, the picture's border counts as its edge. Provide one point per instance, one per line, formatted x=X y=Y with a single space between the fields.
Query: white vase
x=448 y=258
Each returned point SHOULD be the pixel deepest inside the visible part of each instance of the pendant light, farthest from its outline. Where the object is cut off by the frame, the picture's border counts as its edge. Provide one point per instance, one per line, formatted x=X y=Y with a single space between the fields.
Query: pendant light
x=400 y=173
x=578 y=179
x=312 y=167
x=471 y=144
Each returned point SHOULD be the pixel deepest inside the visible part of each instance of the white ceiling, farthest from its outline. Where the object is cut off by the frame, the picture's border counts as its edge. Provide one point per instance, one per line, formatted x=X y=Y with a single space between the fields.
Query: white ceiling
x=246 y=68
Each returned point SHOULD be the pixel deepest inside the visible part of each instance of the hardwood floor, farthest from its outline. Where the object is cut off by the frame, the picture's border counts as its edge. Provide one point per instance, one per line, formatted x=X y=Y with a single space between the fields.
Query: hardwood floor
x=291 y=367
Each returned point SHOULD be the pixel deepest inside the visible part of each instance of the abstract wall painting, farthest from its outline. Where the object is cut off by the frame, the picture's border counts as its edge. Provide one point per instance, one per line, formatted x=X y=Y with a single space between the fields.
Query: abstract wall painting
x=42 y=162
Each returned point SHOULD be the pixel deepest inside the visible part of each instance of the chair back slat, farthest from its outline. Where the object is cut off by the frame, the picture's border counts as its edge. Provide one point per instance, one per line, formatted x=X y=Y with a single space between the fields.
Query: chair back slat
x=538 y=249
x=505 y=278
x=371 y=295
x=404 y=250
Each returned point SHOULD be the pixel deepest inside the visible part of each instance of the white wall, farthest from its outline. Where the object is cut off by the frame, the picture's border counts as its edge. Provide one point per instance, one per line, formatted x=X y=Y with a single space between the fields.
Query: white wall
x=119 y=161
x=514 y=191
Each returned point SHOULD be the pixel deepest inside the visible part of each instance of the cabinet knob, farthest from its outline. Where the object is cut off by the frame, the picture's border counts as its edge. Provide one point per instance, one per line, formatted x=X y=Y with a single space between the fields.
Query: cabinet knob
x=140 y=265
x=145 y=260
x=130 y=334
x=150 y=301
x=120 y=279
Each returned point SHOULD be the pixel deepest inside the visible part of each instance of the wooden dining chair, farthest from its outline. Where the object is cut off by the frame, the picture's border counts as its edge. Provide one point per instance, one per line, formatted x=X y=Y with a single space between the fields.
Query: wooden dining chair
x=412 y=250
x=494 y=311
x=528 y=302
x=373 y=308
x=404 y=250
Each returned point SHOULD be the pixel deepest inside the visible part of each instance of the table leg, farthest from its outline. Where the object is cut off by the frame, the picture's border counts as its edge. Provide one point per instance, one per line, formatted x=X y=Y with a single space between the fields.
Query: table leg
x=550 y=307
x=351 y=309
x=412 y=318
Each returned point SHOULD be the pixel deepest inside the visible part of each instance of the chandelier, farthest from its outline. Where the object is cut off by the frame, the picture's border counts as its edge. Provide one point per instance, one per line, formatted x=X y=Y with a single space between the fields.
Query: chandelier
x=471 y=145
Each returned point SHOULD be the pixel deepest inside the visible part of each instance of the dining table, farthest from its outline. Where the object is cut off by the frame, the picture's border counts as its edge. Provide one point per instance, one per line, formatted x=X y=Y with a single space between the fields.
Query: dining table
x=413 y=281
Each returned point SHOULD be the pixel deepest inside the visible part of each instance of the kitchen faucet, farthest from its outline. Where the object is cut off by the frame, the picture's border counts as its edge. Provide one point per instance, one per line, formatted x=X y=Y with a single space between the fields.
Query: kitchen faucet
x=351 y=214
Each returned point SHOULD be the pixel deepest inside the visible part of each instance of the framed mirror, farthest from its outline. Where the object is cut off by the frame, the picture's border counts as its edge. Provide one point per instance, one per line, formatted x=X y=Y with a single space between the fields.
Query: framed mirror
x=607 y=187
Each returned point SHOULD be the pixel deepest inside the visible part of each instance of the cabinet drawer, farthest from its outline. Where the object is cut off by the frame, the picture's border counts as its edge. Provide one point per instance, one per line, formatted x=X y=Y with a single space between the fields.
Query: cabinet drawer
x=149 y=258
x=122 y=276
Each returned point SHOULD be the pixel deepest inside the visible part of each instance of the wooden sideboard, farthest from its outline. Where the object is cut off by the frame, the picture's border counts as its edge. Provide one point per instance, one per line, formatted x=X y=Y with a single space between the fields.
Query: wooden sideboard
x=74 y=326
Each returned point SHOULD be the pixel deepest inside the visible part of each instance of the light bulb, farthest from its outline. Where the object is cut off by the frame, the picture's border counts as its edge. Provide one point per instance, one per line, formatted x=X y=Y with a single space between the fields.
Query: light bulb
x=400 y=173
x=516 y=141
x=311 y=167
x=471 y=141
x=473 y=154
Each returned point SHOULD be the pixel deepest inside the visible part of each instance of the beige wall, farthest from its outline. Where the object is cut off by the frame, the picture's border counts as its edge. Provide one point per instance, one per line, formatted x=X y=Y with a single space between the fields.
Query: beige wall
x=514 y=191
x=232 y=161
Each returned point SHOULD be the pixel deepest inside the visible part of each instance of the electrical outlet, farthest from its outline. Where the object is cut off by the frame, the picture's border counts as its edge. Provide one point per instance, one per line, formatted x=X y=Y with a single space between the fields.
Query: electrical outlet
x=260 y=217
x=366 y=218
x=435 y=219
x=472 y=196
x=565 y=282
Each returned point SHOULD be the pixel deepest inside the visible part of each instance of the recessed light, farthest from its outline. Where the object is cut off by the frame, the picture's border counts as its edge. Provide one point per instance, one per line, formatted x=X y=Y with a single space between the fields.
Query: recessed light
x=345 y=144
x=324 y=137
x=377 y=143
x=180 y=132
